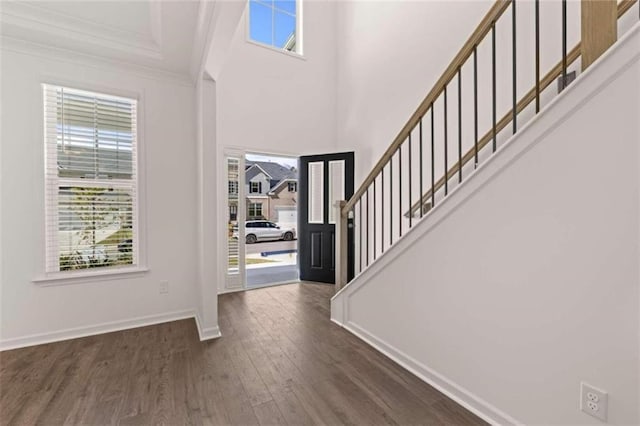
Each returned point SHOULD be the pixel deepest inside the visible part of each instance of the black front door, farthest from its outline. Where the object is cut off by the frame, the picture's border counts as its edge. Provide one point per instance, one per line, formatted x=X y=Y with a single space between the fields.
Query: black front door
x=324 y=179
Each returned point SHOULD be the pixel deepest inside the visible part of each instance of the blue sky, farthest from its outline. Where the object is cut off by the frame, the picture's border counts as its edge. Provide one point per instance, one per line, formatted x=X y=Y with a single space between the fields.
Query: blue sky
x=272 y=21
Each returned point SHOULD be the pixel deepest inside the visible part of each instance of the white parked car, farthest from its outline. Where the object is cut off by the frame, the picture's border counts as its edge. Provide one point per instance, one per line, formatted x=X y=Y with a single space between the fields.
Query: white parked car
x=263 y=230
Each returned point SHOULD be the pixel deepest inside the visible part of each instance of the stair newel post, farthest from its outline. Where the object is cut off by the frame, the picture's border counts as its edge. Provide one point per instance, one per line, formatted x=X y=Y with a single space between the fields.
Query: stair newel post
x=599 y=28
x=341 y=244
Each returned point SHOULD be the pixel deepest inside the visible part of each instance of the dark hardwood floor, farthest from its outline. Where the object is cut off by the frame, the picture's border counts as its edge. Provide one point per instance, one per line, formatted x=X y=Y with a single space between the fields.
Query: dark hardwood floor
x=280 y=361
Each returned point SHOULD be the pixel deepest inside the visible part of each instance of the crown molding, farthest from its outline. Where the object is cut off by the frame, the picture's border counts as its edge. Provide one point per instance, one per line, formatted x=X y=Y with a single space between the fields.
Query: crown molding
x=33 y=18
x=71 y=56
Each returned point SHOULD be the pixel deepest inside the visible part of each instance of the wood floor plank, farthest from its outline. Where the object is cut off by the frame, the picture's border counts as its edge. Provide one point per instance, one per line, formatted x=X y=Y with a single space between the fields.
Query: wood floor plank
x=280 y=361
x=269 y=414
x=137 y=401
x=65 y=395
x=315 y=405
x=236 y=401
x=292 y=409
x=211 y=392
x=249 y=376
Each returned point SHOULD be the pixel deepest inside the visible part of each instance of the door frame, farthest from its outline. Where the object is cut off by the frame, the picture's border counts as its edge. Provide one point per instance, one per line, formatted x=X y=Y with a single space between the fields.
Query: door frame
x=241 y=153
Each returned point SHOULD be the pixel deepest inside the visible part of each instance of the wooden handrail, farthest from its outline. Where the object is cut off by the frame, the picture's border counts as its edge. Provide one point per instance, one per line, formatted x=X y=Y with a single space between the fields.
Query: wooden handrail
x=478 y=35
x=624 y=5
x=548 y=79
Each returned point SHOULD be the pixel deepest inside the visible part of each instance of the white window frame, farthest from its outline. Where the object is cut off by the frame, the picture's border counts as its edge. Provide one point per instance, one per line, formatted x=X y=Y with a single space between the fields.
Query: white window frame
x=107 y=273
x=255 y=203
x=298 y=52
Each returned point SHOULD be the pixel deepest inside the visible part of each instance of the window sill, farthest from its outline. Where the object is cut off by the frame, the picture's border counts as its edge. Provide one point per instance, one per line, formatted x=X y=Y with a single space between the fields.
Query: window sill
x=67 y=278
x=273 y=49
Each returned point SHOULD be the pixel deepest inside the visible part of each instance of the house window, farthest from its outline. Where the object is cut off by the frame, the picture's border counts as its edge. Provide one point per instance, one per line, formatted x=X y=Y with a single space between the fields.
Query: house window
x=255 y=187
x=233 y=212
x=292 y=186
x=275 y=23
x=255 y=210
x=91 y=180
x=233 y=187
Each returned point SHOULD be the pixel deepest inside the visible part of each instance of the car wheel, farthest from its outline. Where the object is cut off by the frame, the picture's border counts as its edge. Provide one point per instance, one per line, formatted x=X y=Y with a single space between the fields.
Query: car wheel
x=251 y=239
x=288 y=236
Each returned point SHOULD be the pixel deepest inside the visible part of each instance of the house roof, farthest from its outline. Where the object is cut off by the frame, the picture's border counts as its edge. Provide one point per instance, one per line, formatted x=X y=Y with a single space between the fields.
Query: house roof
x=254 y=170
x=280 y=184
x=274 y=171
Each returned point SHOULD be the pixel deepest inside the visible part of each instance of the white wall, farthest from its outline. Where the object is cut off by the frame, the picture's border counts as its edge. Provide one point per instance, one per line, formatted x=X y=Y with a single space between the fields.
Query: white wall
x=391 y=53
x=526 y=280
x=276 y=102
x=169 y=129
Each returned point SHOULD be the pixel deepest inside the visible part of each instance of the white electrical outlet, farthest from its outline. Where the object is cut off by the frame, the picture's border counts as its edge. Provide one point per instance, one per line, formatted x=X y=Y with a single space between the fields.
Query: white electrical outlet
x=164 y=287
x=593 y=401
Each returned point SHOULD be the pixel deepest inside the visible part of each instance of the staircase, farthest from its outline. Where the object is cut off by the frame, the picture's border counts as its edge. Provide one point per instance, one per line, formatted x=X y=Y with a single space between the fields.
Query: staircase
x=476 y=231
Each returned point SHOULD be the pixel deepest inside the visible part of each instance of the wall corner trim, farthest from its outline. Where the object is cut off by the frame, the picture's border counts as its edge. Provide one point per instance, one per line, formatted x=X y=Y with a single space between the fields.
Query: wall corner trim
x=207 y=333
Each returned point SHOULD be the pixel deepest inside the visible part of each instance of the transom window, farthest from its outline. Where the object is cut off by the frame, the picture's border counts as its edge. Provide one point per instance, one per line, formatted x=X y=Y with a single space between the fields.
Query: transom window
x=276 y=23
x=91 y=180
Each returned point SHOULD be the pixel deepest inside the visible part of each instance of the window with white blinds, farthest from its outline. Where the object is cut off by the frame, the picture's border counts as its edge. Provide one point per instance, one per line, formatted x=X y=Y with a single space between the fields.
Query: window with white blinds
x=91 y=180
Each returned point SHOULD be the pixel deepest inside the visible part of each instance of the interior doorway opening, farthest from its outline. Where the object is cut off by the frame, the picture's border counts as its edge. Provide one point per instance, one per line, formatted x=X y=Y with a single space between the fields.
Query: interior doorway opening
x=262 y=217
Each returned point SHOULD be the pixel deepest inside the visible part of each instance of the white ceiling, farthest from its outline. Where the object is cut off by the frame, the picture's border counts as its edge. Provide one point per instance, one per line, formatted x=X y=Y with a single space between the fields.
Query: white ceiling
x=164 y=35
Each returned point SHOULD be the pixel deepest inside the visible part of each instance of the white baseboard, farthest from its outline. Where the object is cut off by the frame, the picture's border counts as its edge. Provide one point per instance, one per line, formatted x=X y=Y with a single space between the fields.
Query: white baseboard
x=231 y=290
x=462 y=396
x=107 y=327
x=207 y=333
x=337 y=322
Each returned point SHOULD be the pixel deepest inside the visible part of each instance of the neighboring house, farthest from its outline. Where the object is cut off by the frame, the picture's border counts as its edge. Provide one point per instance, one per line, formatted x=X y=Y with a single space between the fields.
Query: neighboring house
x=270 y=191
x=283 y=206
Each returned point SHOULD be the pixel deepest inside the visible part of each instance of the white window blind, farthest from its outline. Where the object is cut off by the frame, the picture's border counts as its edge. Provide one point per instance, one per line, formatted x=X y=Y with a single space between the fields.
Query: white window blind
x=91 y=180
